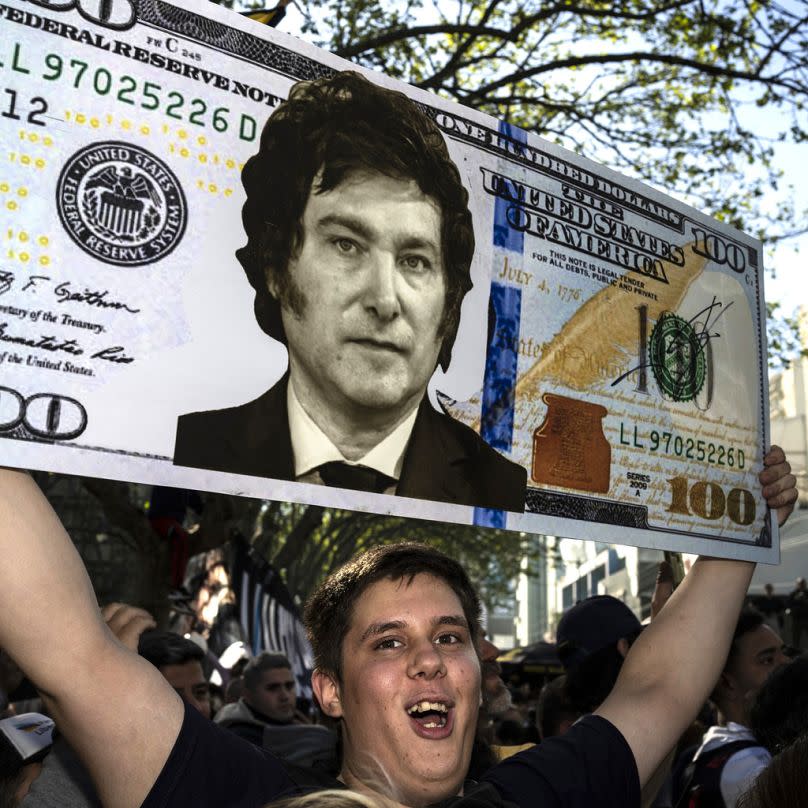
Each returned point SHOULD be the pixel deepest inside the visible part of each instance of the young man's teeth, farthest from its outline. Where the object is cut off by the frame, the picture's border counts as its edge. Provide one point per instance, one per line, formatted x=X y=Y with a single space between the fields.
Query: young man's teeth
x=424 y=706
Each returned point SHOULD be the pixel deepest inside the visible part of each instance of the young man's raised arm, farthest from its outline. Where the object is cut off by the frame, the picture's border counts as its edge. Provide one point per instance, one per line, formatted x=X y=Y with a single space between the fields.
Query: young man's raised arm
x=674 y=664
x=115 y=708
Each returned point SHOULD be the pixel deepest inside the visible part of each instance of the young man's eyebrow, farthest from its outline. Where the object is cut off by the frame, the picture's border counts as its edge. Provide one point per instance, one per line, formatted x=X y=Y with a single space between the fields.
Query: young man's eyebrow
x=772 y=650
x=374 y=629
x=452 y=620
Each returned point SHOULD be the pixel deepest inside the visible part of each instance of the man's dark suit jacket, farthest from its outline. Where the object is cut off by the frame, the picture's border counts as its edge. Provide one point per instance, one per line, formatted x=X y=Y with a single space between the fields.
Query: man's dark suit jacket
x=445 y=460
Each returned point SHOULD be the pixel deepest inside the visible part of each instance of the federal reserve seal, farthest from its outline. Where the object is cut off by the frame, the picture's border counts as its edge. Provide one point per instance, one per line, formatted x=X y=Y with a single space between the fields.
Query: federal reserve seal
x=121 y=204
x=677 y=358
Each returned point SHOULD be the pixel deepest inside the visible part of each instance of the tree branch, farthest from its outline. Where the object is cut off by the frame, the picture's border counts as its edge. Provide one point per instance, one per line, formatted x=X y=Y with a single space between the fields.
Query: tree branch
x=509 y=34
x=475 y=96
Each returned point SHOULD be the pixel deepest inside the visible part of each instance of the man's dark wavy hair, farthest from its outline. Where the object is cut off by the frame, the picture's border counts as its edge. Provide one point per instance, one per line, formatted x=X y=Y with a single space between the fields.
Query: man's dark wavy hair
x=332 y=127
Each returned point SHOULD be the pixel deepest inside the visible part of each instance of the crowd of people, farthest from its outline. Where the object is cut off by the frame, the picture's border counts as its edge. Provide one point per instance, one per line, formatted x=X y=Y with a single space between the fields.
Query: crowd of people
x=704 y=706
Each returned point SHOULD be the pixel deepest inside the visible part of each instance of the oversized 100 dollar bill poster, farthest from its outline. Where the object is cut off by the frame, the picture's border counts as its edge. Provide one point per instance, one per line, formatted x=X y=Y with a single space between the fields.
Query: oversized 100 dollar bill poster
x=386 y=303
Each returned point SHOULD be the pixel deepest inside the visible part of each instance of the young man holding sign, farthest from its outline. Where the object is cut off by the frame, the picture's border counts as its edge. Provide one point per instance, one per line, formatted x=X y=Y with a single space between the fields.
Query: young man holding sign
x=399 y=666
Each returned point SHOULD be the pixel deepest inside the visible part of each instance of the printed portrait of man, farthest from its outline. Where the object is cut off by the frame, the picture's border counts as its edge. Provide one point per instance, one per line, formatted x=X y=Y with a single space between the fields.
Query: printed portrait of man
x=360 y=242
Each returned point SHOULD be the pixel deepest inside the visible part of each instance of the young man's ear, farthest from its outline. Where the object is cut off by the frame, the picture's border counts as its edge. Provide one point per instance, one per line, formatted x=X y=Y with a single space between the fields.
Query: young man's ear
x=725 y=687
x=728 y=683
x=326 y=691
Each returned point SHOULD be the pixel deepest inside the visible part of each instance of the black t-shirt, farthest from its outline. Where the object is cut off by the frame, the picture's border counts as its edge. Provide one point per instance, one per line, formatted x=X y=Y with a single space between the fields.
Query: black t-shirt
x=589 y=767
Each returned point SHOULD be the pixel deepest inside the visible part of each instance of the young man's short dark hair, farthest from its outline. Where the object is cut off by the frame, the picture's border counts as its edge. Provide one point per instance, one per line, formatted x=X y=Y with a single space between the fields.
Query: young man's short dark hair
x=163 y=648
x=328 y=611
x=326 y=130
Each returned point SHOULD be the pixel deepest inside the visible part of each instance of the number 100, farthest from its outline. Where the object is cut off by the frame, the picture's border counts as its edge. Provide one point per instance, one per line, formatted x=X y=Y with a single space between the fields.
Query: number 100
x=708 y=501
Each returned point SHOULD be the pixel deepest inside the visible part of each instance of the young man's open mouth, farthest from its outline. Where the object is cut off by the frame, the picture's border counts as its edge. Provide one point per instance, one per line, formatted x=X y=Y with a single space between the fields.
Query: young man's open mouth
x=432 y=718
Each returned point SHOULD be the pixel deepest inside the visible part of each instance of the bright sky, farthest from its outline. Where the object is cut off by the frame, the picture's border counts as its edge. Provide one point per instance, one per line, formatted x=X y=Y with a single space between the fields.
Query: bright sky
x=789 y=285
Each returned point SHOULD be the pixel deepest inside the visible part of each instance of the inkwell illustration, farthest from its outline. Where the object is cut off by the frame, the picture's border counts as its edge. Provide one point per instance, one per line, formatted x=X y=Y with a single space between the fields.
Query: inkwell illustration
x=569 y=448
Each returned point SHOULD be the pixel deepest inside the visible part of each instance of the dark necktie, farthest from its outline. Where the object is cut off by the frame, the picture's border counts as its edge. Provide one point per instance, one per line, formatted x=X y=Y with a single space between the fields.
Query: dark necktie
x=360 y=478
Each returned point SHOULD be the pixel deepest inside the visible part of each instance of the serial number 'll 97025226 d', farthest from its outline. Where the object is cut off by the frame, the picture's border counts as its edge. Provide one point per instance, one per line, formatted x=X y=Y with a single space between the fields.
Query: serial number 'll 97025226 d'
x=684 y=447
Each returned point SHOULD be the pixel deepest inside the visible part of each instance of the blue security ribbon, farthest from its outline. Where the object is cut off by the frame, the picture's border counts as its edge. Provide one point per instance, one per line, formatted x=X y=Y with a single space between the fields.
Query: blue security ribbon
x=497 y=414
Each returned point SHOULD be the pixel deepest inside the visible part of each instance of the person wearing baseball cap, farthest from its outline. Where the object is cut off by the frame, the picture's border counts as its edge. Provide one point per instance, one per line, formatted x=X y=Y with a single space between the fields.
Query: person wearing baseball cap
x=593 y=639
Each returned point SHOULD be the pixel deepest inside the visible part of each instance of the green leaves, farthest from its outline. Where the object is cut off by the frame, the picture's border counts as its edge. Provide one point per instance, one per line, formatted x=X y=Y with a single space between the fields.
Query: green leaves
x=663 y=90
x=783 y=333
x=305 y=543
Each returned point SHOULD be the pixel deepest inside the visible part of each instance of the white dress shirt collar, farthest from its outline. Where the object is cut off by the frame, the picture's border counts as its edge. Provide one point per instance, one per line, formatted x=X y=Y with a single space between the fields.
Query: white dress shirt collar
x=311 y=447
